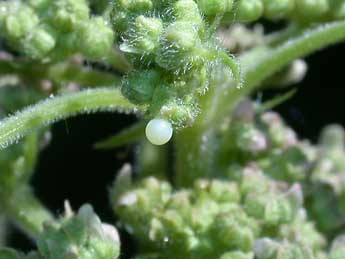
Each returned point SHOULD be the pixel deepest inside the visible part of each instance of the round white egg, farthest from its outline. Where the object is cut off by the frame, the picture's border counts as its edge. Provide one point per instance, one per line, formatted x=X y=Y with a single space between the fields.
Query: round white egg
x=159 y=131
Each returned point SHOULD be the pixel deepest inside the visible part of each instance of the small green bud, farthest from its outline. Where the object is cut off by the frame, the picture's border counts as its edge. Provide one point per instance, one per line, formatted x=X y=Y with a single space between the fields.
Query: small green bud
x=338 y=248
x=21 y=22
x=249 y=10
x=96 y=38
x=265 y=248
x=311 y=9
x=179 y=47
x=65 y=14
x=333 y=137
x=338 y=9
x=187 y=10
x=39 y=43
x=79 y=236
x=135 y=5
x=139 y=86
x=278 y=8
x=214 y=7
x=143 y=38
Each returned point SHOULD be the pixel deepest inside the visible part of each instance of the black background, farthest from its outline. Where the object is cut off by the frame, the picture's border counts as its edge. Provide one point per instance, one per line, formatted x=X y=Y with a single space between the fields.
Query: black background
x=71 y=169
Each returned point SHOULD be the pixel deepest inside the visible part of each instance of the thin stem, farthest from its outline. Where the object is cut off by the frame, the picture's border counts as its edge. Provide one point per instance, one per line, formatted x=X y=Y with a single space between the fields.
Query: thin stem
x=271 y=60
x=21 y=206
x=54 y=109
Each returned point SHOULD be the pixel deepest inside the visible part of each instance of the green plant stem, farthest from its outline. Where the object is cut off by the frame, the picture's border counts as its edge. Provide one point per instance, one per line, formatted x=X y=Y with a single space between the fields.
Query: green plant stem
x=127 y=136
x=195 y=151
x=54 y=109
x=60 y=73
x=22 y=207
x=2 y=231
x=272 y=60
x=152 y=160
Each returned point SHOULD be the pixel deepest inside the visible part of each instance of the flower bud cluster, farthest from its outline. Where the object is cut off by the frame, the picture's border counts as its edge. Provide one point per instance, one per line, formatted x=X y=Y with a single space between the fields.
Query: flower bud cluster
x=80 y=236
x=173 y=54
x=303 y=11
x=48 y=30
x=282 y=156
x=218 y=218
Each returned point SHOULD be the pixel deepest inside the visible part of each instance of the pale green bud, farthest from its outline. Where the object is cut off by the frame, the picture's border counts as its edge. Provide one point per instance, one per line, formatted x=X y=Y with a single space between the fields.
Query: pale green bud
x=20 y=22
x=278 y=8
x=333 y=137
x=179 y=47
x=66 y=14
x=338 y=248
x=311 y=9
x=81 y=236
x=135 y=5
x=39 y=43
x=214 y=7
x=187 y=10
x=249 y=10
x=338 y=9
x=143 y=37
x=95 y=38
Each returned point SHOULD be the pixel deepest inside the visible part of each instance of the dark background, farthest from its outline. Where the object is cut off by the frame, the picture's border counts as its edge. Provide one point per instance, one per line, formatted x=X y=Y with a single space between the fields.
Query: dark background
x=71 y=169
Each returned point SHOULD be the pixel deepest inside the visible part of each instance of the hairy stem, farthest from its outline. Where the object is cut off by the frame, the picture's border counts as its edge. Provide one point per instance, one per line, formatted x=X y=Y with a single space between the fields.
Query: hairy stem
x=54 y=109
x=272 y=60
x=22 y=207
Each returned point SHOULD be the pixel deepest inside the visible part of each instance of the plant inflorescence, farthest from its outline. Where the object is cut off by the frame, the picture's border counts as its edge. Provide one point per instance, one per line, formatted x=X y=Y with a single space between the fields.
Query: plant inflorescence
x=243 y=185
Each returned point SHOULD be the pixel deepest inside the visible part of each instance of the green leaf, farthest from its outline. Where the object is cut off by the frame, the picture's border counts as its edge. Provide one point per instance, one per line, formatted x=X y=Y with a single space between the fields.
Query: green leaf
x=126 y=136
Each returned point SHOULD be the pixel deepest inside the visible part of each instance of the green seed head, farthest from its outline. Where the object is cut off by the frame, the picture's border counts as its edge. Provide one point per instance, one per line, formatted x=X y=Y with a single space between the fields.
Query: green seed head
x=143 y=38
x=215 y=7
x=95 y=38
x=139 y=86
x=39 y=43
x=66 y=14
x=249 y=10
x=278 y=8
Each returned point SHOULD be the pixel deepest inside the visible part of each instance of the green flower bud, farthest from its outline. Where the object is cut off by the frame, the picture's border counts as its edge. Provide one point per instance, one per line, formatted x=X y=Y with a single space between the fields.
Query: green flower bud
x=143 y=38
x=79 y=236
x=232 y=234
x=311 y=9
x=39 y=43
x=223 y=191
x=278 y=8
x=338 y=248
x=20 y=22
x=179 y=47
x=278 y=211
x=265 y=248
x=214 y=7
x=66 y=14
x=135 y=5
x=96 y=38
x=188 y=11
x=333 y=137
x=337 y=9
x=249 y=10
x=139 y=86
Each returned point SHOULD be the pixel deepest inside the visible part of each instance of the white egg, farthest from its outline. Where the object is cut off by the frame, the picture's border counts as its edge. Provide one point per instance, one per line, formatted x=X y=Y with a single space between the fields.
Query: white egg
x=159 y=131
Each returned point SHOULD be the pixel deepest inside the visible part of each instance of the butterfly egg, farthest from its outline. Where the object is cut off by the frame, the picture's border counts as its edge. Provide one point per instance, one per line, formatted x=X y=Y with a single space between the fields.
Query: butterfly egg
x=159 y=131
